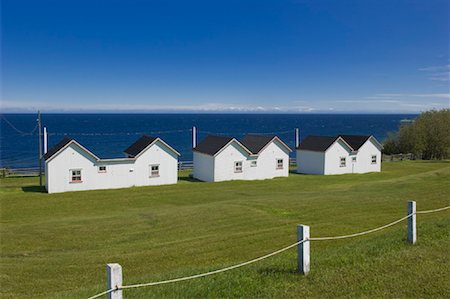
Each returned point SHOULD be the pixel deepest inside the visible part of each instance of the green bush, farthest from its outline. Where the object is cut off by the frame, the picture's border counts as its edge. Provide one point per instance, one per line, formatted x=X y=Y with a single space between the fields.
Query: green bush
x=427 y=137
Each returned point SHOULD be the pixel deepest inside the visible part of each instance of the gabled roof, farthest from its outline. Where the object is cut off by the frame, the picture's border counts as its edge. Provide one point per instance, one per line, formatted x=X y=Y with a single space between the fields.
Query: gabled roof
x=134 y=150
x=60 y=146
x=212 y=144
x=317 y=143
x=57 y=147
x=253 y=144
x=355 y=141
x=256 y=143
x=322 y=143
x=142 y=143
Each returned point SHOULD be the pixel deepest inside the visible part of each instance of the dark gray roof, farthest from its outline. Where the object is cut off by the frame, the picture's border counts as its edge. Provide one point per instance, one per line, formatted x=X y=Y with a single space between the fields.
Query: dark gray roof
x=355 y=141
x=140 y=144
x=57 y=147
x=322 y=143
x=317 y=143
x=255 y=143
x=212 y=144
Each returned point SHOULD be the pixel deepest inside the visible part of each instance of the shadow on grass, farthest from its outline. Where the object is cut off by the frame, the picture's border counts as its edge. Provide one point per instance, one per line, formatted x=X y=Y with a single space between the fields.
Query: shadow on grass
x=189 y=179
x=294 y=171
x=35 y=189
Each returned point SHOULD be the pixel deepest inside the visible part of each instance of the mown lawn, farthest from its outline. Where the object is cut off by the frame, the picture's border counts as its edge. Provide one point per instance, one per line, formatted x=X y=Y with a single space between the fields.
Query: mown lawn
x=57 y=245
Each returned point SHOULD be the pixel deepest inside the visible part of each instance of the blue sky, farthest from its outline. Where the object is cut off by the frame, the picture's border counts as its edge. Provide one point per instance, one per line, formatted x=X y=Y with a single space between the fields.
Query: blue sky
x=298 y=56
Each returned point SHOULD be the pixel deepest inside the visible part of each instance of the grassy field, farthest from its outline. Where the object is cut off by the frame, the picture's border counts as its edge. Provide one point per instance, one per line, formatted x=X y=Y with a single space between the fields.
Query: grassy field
x=57 y=245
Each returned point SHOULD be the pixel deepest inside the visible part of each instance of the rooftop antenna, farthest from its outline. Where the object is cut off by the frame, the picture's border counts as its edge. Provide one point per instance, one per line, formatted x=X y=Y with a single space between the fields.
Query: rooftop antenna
x=40 y=147
x=45 y=140
x=194 y=137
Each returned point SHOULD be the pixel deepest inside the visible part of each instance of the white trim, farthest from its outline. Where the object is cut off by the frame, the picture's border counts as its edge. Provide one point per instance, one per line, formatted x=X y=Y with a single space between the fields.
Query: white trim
x=272 y=140
x=67 y=145
x=151 y=171
x=229 y=142
x=154 y=141
x=371 y=159
x=345 y=142
x=235 y=166
x=340 y=161
x=277 y=165
x=111 y=159
x=72 y=175
x=376 y=142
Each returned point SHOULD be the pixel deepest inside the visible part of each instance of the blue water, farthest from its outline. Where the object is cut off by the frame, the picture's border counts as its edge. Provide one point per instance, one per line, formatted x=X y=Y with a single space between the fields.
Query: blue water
x=107 y=135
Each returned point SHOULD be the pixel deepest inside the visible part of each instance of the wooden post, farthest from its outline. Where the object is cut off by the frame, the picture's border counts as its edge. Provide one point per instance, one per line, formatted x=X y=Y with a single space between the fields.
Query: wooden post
x=412 y=229
x=114 y=280
x=303 y=249
x=194 y=137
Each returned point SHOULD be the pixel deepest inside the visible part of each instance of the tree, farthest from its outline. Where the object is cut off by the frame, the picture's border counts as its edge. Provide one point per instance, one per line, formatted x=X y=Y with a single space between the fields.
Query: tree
x=427 y=137
x=390 y=145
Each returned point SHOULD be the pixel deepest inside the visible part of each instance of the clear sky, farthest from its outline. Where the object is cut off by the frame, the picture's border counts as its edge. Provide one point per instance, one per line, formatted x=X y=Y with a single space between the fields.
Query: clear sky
x=309 y=56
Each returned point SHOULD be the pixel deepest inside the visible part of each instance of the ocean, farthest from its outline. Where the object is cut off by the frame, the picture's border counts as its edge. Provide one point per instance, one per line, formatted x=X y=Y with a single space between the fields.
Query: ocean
x=107 y=135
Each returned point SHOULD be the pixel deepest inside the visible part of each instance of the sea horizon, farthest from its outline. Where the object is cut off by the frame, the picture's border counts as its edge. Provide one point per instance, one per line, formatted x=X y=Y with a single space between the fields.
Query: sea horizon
x=220 y=112
x=108 y=134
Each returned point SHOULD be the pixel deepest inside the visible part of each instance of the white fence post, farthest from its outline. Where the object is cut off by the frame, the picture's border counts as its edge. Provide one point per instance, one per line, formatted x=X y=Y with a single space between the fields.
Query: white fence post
x=303 y=249
x=114 y=280
x=412 y=228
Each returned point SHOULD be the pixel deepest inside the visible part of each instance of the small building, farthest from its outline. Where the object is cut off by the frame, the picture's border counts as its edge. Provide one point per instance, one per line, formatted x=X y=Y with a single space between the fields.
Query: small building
x=339 y=154
x=149 y=161
x=255 y=157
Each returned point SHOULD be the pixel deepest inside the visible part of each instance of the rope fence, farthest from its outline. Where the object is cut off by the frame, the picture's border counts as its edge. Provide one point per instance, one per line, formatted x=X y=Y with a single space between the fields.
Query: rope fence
x=115 y=270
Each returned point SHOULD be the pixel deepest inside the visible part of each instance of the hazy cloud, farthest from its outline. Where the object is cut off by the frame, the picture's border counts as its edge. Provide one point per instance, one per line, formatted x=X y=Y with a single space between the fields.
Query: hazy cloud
x=27 y=106
x=437 y=73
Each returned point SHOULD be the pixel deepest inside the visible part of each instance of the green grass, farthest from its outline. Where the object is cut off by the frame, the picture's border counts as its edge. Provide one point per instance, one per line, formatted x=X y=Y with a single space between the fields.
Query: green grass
x=57 y=245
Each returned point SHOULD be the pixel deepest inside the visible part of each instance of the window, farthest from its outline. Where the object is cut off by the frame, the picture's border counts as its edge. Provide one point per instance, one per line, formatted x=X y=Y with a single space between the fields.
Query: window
x=253 y=164
x=238 y=166
x=75 y=175
x=353 y=159
x=279 y=163
x=102 y=169
x=154 y=171
x=342 y=162
x=374 y=159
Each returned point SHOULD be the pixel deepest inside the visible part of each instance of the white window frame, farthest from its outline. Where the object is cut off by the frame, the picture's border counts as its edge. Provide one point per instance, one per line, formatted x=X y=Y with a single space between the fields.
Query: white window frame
x=354 y=159
x=342 y=163
x=238 y=166
x=253 y=163
x=374 y=161
x=154 y=173
x=279 y=165
x=79 y=175
x=102 y=171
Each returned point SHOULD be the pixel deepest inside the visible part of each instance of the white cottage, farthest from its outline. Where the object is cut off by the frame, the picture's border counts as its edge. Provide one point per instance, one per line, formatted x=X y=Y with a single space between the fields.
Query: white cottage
x=255 y=157
x=339 y=154
x=69 y=166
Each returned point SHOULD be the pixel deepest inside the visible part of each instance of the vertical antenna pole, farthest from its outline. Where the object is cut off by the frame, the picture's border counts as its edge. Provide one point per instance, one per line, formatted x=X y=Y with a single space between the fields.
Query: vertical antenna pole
x=40 y=147
x=194 y=137
x=45 y=140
